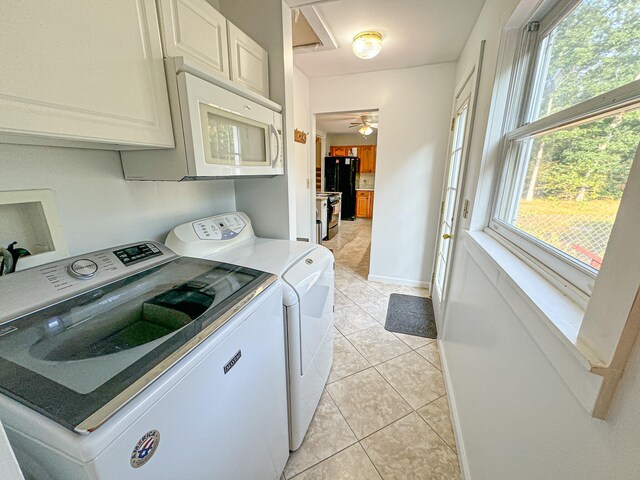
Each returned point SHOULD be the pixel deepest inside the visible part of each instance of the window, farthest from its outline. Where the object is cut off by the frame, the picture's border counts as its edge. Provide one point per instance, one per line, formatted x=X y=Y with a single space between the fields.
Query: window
x=572 y=134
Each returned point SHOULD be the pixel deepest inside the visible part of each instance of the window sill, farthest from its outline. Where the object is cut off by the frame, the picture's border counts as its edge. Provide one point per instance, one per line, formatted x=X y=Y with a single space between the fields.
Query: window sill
x=551 y=319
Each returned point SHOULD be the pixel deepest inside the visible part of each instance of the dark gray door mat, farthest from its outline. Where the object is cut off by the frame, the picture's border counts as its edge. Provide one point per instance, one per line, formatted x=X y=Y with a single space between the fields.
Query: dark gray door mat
x=411 y=315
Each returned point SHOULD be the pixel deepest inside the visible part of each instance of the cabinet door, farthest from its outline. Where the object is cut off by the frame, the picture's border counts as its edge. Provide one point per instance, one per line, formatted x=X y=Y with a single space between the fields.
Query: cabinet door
x=340 y=151
x=195 y=30
x=364 y=161
x=362 y=206
x=367 y=159
x=83 y=71
x=248 y=61
x=374 y=153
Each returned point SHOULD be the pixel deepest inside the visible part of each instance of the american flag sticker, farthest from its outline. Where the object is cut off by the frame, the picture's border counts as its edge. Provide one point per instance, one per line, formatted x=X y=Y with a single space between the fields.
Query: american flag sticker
x=145 y=448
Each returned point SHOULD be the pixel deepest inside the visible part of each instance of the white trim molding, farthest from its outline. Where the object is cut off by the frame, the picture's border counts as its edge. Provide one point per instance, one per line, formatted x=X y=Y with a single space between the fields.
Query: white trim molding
x=398 y=281
x=453 y=409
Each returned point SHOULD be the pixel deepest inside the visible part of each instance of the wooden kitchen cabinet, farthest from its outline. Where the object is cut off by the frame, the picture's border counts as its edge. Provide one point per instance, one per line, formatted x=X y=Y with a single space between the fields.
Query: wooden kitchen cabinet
x=364 y=204
x=81 y=73
x=195 y=30
x=367 y=156
x=366 y=153
x=340 y=151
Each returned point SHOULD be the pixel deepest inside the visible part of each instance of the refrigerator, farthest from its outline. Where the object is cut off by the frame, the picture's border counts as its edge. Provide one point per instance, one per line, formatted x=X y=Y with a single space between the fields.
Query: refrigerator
x=340 y=176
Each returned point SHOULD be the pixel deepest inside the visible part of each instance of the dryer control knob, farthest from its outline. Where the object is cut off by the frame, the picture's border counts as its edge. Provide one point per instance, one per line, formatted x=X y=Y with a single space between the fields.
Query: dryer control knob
x=83 y=268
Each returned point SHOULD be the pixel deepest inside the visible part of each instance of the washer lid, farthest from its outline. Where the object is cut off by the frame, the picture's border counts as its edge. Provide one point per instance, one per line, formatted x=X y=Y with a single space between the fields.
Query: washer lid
x=81 y=360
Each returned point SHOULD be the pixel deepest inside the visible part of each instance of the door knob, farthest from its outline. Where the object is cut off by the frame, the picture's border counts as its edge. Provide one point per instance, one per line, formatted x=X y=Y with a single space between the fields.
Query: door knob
x=446 y=236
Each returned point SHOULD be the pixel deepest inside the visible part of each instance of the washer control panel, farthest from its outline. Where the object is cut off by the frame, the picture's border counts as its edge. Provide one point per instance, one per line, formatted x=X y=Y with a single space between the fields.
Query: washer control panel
x=83 y=268
x=64 y=275
x=38 y=287
x=136 y=253
x=222 y=227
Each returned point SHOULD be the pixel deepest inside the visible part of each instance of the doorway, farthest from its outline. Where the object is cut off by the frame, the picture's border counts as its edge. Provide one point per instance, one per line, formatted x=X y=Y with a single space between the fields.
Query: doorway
x=347 y=169
x=452 y=191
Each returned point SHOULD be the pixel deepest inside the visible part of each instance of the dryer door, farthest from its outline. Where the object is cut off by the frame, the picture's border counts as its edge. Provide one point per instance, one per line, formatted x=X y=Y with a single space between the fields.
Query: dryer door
x=312 y=278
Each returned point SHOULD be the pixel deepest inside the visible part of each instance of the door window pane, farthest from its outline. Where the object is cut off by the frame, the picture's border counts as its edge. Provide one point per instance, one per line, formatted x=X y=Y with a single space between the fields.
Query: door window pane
x=447 y=219
x=572 y=184
x=591 y=51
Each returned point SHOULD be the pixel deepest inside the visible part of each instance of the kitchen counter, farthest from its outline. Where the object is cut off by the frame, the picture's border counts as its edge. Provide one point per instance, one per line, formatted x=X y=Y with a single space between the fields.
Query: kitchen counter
x=364 y=189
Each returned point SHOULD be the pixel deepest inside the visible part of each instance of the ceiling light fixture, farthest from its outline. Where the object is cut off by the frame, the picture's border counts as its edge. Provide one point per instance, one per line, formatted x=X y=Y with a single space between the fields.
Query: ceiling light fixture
x=365 y=130
x=367 y=44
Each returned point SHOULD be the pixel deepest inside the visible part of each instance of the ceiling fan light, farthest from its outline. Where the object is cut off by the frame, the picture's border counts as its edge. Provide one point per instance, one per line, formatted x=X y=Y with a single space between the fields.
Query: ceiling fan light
x=367 y=44
x=365 y=130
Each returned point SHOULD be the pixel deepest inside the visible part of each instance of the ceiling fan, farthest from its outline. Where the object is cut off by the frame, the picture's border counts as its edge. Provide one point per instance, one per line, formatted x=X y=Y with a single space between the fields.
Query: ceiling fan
x=366 y=125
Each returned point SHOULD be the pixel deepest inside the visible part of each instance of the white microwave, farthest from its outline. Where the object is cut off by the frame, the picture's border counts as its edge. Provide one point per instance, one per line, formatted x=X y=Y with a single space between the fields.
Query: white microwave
x=218 y=134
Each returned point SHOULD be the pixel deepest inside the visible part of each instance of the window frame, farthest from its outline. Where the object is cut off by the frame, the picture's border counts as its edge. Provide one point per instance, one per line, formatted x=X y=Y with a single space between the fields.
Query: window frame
x=571 y=276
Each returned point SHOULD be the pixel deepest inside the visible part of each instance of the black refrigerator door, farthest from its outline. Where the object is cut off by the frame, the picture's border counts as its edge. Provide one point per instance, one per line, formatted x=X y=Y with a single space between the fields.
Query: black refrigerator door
x=340 y=176
x=331 y=170
x=347 y=179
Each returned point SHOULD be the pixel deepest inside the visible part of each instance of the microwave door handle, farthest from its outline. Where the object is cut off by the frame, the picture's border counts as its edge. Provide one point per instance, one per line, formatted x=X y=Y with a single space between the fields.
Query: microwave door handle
x=274 y=131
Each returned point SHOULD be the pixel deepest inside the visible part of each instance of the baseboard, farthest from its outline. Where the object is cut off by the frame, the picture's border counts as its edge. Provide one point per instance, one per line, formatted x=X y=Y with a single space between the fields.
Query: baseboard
x=462 y=455
x=398 y=281
x=437 y=312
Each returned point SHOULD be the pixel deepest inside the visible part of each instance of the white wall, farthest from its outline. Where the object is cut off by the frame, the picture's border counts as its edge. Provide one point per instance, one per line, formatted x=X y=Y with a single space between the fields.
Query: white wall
x=97 y=207
x=270 y=202
x=518 y=419
x=341 y=139
x=414 y=106
x=302 y=152
x=214 y=3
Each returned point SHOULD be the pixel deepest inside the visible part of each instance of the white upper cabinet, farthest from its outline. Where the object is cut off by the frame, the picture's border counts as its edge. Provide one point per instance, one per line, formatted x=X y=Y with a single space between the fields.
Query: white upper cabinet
x=195 y=30
x=213 y=46
x=249 y=62
x=83 y=71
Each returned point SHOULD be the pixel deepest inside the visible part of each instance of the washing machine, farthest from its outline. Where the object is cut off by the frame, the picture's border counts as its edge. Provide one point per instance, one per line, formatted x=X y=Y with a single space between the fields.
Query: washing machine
x=307 y=276
x=135 y=363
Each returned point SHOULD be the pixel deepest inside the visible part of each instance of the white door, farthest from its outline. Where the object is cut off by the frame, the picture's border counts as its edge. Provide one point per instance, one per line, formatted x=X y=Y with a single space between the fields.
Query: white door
x=453 y=182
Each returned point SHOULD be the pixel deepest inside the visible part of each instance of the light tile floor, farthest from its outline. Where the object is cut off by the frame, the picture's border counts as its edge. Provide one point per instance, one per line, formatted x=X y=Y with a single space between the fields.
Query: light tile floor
x=384 y=412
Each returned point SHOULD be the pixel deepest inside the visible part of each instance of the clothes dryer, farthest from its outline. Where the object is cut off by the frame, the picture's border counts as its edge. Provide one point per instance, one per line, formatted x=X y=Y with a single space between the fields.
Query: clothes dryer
x=306 y=271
